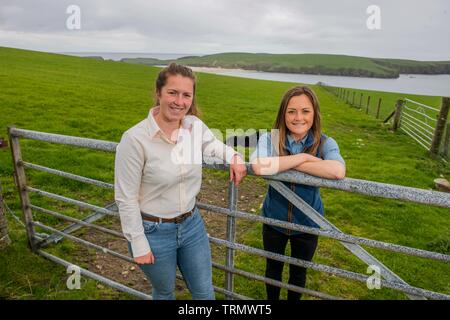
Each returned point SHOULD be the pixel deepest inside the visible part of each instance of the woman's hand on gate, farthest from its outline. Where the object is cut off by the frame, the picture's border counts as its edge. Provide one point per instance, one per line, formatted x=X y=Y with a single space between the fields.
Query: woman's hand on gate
x=147 y=259
x=238 y=170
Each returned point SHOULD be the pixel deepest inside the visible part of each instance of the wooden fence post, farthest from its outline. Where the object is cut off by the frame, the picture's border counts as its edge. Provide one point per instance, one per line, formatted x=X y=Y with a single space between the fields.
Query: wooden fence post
x=360 y=100
x=378 y=108
x=398 y=114
x=368 y=104
x=440 y=126
x=353 y=99
x=447 y=141
x=4 y=237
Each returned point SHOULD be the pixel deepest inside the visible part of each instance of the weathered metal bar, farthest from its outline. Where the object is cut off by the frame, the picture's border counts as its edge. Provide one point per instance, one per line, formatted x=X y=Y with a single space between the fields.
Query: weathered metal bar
x=117 y=255
x=413 y=136
x=84 y=242
x=73 y=227
x=21 y=181
x=77 y=221
x=378 y=189
x=332 y=270
x=231 y=235
x=414 y=119
x=371 y=188
x=325 y=224
x=421 y=104
x=68 y=175
x=329 y=234
x=417 y=132
x=233 y=295
x=352 y=185
x=78 y=203
x=421 y=113
x=277 y=283
x=97 y=277
x=221 y=290
x=54 y=238
x=63 y=139
x=427 y=129
x=420 y=132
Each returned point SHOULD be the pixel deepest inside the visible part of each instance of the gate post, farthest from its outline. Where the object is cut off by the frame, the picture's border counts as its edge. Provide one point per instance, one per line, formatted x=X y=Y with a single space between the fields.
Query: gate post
x=447 y=141
x=231 y=235
x=440 y=126
x=398 y=114
x=21 y=182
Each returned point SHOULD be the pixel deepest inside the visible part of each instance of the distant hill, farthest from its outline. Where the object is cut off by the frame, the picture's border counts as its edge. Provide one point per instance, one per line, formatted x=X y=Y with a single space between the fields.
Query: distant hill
x=338 y=65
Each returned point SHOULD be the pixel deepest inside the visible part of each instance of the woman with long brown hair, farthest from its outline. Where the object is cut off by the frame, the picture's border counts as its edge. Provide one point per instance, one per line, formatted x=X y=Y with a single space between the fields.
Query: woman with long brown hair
x=296 y=142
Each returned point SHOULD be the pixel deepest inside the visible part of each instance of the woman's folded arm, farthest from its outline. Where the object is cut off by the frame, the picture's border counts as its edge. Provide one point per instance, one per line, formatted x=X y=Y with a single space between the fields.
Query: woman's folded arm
x=328 y=169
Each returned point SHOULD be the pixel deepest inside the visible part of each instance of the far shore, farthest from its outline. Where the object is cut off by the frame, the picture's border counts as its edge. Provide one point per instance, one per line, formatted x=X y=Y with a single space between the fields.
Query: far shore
x=217 y=69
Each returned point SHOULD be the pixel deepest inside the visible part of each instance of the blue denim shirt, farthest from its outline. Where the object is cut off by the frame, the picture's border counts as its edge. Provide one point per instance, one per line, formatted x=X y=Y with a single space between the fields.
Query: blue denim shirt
x=275 y=205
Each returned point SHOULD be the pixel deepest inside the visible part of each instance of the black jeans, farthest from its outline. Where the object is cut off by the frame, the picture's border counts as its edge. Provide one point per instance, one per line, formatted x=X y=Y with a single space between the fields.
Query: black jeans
x=303 y=247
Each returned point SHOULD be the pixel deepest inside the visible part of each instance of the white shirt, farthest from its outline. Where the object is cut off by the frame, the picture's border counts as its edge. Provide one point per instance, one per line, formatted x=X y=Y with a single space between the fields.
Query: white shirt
x=157 y=176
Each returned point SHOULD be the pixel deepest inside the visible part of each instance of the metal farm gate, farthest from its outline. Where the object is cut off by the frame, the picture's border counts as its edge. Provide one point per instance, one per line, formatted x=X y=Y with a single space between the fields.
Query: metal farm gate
x=327 y=229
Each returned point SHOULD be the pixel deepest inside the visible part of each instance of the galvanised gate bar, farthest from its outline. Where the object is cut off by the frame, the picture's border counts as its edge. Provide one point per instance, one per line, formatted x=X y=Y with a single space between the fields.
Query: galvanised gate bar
x=327 y=229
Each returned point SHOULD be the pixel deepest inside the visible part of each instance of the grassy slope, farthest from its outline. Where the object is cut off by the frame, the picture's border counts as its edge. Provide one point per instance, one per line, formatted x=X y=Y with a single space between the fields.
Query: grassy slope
x=96 y=99
x=310 y=63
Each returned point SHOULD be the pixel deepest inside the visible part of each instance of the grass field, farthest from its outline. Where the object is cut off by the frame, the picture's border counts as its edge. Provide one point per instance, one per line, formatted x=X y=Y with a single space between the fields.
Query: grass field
x=101 y=99
x=329 y=64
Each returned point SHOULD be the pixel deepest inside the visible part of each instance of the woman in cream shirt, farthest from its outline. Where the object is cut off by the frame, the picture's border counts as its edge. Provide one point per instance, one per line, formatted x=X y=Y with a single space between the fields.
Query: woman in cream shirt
x=158 y=172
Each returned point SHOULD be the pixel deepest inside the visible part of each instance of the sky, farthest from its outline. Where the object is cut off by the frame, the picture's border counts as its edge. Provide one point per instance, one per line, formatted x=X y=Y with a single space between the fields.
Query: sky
x=409 y=29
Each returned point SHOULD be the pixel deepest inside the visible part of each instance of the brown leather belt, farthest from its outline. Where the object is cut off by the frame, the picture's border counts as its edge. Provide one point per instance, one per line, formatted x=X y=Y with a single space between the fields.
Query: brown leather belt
x=177 y=219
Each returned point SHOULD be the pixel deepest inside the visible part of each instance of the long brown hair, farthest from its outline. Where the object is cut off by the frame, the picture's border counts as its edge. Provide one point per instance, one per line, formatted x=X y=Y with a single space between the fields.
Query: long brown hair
x=174 y=69
x=280 y=122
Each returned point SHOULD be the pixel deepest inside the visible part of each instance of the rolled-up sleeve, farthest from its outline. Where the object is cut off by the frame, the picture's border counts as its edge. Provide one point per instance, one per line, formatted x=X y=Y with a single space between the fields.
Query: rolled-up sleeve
x=331 y=151
x=129 y=164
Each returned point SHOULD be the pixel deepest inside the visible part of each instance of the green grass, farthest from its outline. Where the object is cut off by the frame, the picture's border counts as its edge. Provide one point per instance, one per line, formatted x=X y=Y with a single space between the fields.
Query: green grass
x=101 y=99
x=330 y=64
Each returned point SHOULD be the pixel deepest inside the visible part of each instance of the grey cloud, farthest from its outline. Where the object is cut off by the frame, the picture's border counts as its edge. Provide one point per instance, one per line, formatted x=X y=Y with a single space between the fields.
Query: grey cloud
x=208 y=26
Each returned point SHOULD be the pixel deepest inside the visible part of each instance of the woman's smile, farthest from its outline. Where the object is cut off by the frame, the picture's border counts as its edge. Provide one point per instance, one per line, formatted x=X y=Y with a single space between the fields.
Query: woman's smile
x=176 y=109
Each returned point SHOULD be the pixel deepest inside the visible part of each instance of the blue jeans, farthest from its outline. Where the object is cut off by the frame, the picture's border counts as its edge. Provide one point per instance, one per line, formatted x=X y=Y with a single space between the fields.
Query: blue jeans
x=185 y=245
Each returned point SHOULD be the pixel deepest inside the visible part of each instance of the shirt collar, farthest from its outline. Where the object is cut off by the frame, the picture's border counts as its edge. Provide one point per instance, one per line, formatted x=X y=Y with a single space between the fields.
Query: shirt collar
x=156 y=131
x=291 y=140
